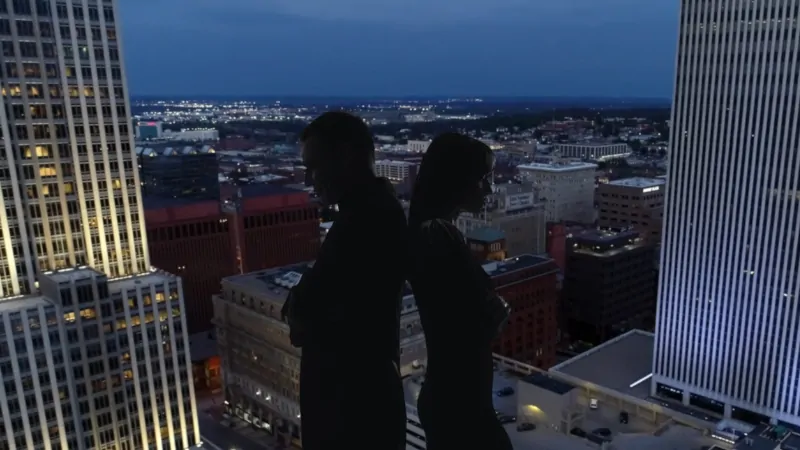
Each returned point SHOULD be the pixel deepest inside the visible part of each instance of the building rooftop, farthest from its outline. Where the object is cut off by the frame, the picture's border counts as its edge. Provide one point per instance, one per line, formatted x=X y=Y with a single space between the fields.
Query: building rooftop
x=623 y=364
x=72 y=274
x=394 y=162
x=497 y=268
x=675 y=437
x=276 y=283
x=23 y=302
x=551 y=384
x=557 y=167
x=590 y=143
x=603 y=236
x=154 y=202
x=262 y=189
x=144 y=279
x=486 y=234
x=638 y=182
x=167 y=150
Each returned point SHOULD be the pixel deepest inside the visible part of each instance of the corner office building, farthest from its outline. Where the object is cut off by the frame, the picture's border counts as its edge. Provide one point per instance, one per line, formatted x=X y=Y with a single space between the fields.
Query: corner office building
x=87 y=360
x=728 y=335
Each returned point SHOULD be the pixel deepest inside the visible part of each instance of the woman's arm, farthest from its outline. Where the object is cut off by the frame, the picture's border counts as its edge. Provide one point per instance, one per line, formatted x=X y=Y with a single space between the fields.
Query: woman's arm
x=456 y=280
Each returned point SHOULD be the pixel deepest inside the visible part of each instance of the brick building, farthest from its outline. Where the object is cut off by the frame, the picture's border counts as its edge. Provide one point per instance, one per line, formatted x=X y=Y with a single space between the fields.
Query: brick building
x=530 y=286
x=204 y=241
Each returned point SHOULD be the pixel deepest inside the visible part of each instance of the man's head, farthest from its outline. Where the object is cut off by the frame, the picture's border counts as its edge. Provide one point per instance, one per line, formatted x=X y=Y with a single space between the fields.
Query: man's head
x=338 y=151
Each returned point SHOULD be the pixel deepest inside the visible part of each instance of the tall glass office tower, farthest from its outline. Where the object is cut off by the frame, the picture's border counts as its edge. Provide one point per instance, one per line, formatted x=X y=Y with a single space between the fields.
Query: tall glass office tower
x=728 y=329
x=93 y=343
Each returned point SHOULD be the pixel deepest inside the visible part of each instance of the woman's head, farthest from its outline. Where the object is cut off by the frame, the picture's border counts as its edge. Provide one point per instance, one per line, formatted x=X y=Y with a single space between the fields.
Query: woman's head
x=454 y=176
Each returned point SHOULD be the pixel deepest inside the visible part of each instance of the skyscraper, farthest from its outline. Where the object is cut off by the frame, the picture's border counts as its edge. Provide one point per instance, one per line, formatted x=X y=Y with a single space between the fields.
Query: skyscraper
x=93 y=343
x=728 y=327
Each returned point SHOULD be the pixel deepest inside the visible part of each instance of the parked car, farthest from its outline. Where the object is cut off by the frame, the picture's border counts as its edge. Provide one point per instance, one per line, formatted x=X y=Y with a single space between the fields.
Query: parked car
x=578 y=432
x=623 y=417
x=505 y=392
x=593 y=403
x=604 y=432
x=504 y=419
x=526 y=426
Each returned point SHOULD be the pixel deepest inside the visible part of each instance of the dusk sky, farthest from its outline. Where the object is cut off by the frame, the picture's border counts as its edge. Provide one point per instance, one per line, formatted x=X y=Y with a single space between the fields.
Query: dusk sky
x=616 y=48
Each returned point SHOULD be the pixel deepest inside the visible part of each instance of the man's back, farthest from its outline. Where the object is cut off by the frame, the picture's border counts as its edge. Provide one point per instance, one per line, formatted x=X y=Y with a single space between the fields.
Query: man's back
x=349 y=305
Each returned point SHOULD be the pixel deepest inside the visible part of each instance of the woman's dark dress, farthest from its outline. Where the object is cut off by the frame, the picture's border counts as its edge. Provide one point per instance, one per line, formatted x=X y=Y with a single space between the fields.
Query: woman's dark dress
x=457 y=308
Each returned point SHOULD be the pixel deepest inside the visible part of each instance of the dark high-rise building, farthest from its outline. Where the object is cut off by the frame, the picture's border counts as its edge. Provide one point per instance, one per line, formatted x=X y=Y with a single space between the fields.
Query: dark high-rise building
x=179 y=172
x=609 y=285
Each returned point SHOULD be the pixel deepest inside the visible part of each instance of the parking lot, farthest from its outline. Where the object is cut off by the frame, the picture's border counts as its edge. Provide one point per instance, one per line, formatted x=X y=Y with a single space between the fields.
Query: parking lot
x=675 y=437
x=607 y=416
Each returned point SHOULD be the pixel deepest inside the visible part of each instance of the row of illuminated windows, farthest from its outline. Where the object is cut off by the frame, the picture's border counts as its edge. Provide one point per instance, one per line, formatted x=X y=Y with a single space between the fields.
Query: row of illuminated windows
x=36 y=90
x=34 y=70
x=65 y=151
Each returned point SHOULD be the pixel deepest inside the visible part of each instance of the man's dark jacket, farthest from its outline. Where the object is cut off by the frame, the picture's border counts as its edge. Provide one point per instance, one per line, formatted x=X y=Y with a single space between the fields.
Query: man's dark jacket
x=345 y=315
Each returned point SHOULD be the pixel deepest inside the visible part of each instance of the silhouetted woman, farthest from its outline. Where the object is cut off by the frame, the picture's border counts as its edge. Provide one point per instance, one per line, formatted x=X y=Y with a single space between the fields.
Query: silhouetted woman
x=458 y=308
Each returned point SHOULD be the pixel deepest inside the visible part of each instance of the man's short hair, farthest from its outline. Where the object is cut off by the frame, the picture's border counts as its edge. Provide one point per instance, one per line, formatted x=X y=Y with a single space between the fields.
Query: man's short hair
x=342 y=131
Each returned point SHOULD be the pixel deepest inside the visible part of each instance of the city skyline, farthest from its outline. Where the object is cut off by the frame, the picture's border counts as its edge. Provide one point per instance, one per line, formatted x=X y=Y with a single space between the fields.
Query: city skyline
x=727 y=333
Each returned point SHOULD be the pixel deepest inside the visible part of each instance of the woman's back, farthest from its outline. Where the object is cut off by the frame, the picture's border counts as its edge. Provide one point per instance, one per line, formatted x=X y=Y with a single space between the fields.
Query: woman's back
x=450 y=289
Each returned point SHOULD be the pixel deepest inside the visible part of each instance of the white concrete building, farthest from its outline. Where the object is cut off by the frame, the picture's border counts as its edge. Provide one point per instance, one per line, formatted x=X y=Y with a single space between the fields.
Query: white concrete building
x=418 y=146
x=201 y=134
x=597 y=151
x=397 y=171
x=92 y=363
x=515 y=210
x=728 y=334
x=566 y=189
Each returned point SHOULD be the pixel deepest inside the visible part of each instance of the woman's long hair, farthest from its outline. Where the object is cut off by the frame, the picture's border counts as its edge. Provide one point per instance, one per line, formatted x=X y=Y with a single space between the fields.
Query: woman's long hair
x=451 y=165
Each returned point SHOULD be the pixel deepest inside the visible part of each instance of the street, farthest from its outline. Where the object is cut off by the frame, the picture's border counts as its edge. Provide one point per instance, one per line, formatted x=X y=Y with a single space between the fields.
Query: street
x=220 y=437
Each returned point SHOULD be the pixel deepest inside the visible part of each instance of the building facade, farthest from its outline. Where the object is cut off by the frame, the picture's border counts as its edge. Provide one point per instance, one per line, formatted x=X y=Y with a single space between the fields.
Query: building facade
x=204 y=242
x=530 y=286
x=594 y=151
x=261 y=369
x=565 y=188
x=417 y=146
x=515 y=210
x=179 y=172
x=727 y=332
x=93 y=349
x=609 y=285
x=402 y=174
x=149 y=130
x=633 y=203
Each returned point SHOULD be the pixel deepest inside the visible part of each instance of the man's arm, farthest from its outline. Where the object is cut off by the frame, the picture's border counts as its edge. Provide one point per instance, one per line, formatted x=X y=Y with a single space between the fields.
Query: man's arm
x=322 y=291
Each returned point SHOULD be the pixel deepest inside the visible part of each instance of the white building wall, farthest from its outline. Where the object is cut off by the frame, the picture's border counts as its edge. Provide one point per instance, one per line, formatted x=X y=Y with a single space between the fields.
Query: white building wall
x=100 y=364
x=727 y=321
x=567 y=191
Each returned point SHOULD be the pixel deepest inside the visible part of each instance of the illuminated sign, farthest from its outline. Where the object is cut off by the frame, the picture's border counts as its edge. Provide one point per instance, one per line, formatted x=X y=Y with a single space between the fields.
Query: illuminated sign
x=519 y=201
x=650 y=189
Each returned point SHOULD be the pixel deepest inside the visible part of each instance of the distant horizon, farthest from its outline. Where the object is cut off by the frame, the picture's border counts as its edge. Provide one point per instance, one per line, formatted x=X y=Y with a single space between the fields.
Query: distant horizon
x=403 y=97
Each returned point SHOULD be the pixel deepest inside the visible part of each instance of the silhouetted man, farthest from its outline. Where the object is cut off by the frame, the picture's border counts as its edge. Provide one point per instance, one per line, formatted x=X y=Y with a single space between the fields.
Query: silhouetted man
x=345 y=312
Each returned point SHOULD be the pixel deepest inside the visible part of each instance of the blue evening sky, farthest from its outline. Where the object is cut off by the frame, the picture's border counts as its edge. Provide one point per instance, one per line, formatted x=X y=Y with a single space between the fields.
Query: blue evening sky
x=619 y=48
